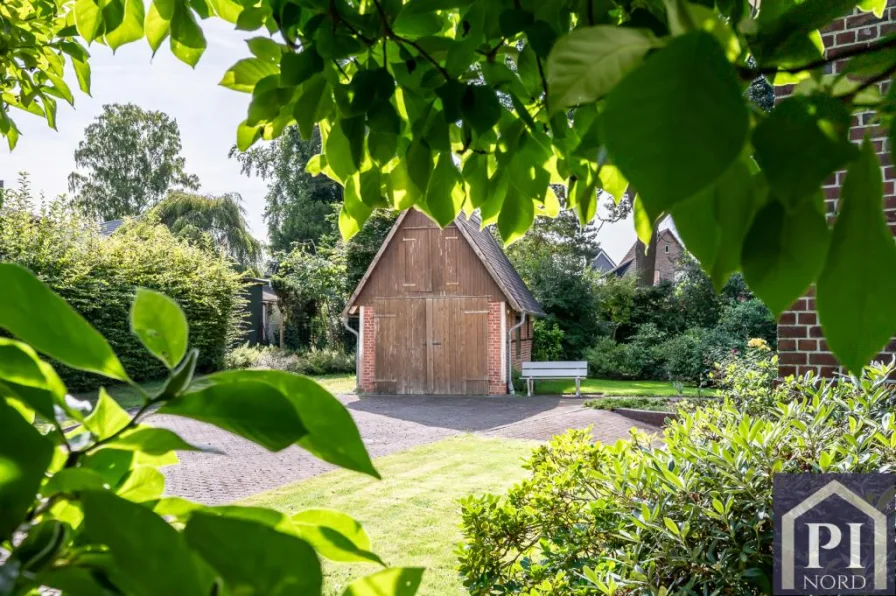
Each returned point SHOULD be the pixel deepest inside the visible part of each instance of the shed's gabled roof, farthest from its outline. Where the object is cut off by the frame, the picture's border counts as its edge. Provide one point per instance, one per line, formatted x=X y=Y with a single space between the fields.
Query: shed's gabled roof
x=108 y=227
x=489 y=252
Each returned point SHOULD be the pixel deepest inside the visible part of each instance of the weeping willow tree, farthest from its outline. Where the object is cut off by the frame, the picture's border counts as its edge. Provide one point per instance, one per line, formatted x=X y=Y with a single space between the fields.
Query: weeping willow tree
x=213 y=221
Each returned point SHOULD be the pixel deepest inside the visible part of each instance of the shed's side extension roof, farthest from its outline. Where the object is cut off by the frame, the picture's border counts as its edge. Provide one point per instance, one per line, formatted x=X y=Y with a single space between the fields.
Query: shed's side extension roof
x=489 y=252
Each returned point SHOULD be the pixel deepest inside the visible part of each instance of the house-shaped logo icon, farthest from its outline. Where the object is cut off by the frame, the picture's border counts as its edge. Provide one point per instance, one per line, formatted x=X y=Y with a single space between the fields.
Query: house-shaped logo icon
x=834 y=533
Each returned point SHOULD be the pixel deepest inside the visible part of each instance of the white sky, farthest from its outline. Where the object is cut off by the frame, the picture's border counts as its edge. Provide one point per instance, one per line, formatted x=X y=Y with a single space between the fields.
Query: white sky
x=206 y=114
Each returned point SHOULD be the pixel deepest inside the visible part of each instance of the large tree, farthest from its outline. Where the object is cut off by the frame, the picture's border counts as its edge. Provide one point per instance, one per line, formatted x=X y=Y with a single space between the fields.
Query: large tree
x=483 y=104
x=218 y=222
x=128 y=161
x=297 y=203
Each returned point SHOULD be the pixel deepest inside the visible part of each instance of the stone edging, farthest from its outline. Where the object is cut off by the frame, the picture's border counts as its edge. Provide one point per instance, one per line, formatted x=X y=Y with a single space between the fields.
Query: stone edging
x=648 y=416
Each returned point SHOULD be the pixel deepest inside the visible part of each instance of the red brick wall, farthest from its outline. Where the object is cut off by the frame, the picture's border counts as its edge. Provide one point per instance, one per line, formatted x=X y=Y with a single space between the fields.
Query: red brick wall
x=801 y=345
x=521 y=342
x=368 y=350
x=496 y=383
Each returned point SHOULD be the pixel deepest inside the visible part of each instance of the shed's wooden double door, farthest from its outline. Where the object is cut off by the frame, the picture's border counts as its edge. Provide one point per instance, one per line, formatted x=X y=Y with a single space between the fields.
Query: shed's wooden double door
x=433 y=346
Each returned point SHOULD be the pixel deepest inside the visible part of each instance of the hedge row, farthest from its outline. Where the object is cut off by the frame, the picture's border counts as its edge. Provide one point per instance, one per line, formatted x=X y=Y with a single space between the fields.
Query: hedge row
x=99 y=276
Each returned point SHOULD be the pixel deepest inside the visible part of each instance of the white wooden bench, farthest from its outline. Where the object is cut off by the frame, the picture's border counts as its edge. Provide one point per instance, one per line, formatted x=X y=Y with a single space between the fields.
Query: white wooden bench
x=534 y=371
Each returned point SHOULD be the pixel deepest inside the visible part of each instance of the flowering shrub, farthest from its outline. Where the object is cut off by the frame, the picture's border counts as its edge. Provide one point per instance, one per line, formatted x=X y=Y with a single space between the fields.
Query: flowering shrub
x=748 y=377
x=691 y=516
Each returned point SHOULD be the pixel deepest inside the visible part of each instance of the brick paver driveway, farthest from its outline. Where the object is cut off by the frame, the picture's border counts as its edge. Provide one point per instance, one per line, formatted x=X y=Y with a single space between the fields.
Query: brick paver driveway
x=387 y=424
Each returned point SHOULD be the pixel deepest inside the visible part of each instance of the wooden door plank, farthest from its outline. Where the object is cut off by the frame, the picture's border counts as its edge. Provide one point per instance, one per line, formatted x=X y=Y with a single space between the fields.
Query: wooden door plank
x=430 y=380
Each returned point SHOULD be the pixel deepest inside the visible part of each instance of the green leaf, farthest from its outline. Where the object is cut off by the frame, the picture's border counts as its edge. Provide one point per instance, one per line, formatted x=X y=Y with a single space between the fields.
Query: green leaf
x=131 y=26
x=296 y=68
x=480 y=108
x=88 y=19
x=187 y=40
x=161 y=325
x=395 y=581
x=587 y=63
x=444 y=198
x=517 y=215
x=143 y=483
x=672 y=526
x=229 y=10
x=158 y=23
x=246 y=135
x=107 y=417
x=180 y=376
x=154 y=441
x=714 y=222
x=784 y=25
x=668 y=141
x=335 y=536
x=254 y=558
x=266 y=49
x=308 y=108
x=71 y=480
x=24 y=457
x=341 y=146
x=855 y=290
x=59 y=331
x=803 y=141
x=150 y=556
x=82 y=73
x=243 y=75
x=248 y=408
x=583 y=195
x=875 y=6
x=20 y=367
x=331 y=432
x=784 y=252
x=415 y=20
x=644 y=224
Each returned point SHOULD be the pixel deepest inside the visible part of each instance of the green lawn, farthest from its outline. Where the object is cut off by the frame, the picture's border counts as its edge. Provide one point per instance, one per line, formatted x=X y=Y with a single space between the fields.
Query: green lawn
x=608 y=387
x=412 y=515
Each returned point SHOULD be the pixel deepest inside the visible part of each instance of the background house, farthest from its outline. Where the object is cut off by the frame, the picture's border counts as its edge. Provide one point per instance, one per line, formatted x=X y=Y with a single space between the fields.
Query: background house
x=602 y=263
x=668 y=253
x=438 y=309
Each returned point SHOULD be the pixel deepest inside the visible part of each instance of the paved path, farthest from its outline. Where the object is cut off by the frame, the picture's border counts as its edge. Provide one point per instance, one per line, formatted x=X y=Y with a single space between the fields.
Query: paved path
x=387 y=424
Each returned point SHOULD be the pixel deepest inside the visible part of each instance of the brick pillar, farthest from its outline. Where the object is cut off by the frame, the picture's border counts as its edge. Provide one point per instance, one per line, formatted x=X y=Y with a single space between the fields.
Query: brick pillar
x=496 y=375
x=801 y=346
x=368 y=350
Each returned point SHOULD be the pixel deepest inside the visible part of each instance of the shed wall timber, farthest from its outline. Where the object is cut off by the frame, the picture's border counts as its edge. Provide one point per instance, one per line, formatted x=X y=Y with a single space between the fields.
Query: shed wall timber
x=423 y=260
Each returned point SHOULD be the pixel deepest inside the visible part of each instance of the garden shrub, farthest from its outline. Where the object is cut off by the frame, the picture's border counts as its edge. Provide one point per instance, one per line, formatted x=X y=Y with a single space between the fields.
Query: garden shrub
x=748 y=377
x=749 y=319
x=312 y=362
x=99 y=277
x=603 y=359
x=691 y=516
x=547 y=344
x=657 y=404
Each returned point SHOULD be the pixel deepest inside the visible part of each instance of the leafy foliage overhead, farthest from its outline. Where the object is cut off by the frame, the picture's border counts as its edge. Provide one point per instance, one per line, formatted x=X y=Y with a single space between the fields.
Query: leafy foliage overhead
x=494 y=105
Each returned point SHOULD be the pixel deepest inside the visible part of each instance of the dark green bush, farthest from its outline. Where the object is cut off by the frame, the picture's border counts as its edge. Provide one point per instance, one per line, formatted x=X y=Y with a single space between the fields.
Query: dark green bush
x=99 y=276
x=693 y=516
x=751 y=319
x=547 y=344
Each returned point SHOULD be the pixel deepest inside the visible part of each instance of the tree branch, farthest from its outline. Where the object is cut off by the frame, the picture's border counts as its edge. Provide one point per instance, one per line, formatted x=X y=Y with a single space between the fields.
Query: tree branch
x=410 y=42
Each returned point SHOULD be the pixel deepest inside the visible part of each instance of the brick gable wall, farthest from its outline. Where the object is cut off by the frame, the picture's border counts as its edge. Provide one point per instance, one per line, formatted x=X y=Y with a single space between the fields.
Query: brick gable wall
x=801 y=344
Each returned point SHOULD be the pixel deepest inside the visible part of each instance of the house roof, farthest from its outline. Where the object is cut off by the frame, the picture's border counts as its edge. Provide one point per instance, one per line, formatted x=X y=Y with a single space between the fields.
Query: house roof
x=602 y=262
x=666 y=235
x=495 y=260
x=108 y=227
x=489 y=252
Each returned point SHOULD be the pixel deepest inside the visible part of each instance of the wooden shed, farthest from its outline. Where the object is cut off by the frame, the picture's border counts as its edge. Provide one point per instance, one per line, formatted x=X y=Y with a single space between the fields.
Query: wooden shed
x=442 y=311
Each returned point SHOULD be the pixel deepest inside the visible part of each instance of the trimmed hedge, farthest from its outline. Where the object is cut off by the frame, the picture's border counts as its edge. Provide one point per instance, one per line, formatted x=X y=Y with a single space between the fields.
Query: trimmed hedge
x=99 y=276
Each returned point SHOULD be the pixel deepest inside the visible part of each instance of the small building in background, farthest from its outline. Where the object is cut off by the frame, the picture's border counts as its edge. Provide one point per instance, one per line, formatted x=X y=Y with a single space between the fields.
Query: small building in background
x=442 y=311
x=602 y=263
x=669 y=250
